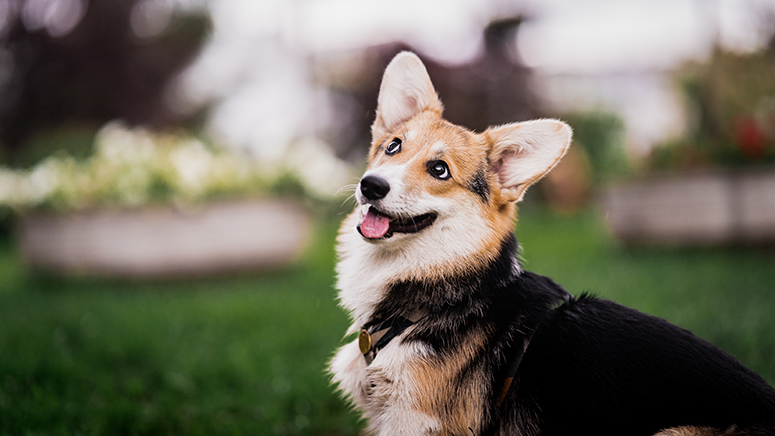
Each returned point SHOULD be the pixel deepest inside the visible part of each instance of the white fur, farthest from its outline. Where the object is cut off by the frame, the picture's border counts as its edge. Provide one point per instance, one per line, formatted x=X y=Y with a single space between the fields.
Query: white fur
x=349 y=371
x=394 y=410
x=437 y=148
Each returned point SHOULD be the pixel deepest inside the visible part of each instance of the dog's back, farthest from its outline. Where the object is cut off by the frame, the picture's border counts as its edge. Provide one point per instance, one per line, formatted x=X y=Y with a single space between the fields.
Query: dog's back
x=596 y=367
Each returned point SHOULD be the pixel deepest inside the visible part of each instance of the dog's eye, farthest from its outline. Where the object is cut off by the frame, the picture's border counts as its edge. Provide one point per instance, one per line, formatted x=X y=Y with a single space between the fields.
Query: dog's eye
x=438 y=169
x=394 y=147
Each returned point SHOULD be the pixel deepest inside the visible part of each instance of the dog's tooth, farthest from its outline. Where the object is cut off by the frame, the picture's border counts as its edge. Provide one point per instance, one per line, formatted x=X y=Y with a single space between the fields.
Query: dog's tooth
x=364 y=210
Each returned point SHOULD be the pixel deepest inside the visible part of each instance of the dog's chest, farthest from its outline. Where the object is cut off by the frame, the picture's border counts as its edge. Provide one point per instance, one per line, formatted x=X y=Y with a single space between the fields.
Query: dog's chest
x=393 y=381
x=393 y=369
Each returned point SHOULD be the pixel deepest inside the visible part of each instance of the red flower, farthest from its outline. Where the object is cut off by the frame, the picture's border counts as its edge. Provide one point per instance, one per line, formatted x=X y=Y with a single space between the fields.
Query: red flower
x=749 y=138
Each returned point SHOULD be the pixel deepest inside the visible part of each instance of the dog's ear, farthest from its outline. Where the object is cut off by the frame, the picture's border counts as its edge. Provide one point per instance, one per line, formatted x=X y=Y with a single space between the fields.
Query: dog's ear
x=521 y=153
x=406 y=90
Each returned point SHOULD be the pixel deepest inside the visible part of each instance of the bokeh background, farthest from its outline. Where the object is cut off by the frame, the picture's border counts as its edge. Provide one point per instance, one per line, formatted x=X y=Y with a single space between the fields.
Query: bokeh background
x=172 y=175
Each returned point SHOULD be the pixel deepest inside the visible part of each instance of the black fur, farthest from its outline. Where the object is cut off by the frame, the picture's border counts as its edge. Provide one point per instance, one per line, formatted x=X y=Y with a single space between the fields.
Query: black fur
x=478 y=185
x=592 y=366
x=598 y=367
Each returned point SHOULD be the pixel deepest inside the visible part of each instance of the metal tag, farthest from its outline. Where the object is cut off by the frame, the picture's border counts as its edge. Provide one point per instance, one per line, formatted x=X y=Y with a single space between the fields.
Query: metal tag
x=364 y=342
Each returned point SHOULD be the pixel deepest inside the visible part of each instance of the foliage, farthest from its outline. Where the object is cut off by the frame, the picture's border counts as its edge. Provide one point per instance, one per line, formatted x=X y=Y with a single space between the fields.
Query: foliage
x=731 y=102
x=601 y=136
x=76 y=140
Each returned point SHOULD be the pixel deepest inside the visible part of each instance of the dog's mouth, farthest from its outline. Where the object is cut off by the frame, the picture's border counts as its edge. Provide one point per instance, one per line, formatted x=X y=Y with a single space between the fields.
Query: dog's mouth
x=378 y=225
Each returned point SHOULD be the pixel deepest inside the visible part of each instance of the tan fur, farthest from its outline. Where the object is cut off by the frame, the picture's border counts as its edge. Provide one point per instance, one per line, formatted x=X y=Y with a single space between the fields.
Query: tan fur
x=695 y=431
x=689 y=431
x=710 y=431
x=457 y=401
x=408 y=389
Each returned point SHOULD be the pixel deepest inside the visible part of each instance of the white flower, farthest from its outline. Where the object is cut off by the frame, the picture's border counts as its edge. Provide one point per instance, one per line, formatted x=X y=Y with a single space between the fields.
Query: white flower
x=193 y=166
x=132 y=186
x=9 y=187
x=41 y=182
x=119 y=145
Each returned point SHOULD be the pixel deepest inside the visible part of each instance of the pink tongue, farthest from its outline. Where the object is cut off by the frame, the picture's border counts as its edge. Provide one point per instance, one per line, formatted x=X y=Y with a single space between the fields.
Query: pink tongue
x=374 y=226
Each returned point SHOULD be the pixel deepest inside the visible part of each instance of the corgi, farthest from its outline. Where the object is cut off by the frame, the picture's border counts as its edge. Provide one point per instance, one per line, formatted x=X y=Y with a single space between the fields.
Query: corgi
x=455 y=338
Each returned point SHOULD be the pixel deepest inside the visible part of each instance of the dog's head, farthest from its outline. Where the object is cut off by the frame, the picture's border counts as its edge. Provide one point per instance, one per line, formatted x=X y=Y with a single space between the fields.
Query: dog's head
x=433 y=185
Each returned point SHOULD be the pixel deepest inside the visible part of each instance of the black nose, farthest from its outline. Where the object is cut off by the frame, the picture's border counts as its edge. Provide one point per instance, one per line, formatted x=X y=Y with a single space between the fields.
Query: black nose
x=374 y=188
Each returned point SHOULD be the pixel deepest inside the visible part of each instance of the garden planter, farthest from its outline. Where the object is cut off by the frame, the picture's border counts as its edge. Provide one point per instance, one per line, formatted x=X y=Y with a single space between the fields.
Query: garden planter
x=697 y=208
x=167 y=242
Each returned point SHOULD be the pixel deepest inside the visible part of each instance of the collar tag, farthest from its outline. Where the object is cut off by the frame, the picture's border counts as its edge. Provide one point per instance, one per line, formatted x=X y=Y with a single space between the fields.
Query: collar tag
x=364 y=341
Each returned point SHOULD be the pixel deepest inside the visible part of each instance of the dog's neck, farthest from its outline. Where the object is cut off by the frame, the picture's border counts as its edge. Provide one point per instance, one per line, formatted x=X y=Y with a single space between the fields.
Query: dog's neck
x=371 y=278
x=461 y=293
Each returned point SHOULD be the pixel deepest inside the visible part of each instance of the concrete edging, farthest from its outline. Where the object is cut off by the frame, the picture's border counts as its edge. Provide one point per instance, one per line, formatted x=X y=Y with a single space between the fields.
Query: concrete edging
x=161 y=241
x=696 y=208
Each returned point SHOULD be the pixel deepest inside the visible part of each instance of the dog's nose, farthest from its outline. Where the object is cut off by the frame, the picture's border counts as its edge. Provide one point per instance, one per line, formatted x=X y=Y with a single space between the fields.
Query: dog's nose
x=374 y=188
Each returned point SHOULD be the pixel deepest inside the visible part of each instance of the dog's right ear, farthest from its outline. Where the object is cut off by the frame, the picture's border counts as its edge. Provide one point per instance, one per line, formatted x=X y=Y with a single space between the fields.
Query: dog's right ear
x=406 y=90
x=521 y=153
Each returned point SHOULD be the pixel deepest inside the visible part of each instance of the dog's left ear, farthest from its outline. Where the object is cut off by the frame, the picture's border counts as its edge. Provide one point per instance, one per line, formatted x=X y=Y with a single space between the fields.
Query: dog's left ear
x=521 y=153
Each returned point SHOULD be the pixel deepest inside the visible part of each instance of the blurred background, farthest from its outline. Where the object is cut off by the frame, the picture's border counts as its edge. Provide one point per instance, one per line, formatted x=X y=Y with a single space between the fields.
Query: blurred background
x=172 y=175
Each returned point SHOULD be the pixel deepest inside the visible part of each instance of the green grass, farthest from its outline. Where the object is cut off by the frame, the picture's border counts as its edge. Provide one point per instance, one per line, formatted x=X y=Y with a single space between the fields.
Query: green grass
x=247 y=355
x=243 y=355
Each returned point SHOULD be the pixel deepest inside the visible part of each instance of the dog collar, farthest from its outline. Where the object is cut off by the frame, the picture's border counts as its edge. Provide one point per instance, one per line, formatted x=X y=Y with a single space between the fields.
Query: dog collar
x=375 y=337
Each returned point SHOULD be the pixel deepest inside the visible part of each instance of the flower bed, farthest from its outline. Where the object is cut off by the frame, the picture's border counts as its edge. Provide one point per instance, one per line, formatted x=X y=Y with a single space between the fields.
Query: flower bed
x=147 y=204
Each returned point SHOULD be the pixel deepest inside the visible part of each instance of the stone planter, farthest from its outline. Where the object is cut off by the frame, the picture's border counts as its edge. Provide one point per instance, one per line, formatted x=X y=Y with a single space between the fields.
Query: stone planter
x=698 y=208
x=212 y=239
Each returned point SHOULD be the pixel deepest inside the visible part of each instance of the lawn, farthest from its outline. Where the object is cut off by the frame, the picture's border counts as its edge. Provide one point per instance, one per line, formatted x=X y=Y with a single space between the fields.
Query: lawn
x=247 y=355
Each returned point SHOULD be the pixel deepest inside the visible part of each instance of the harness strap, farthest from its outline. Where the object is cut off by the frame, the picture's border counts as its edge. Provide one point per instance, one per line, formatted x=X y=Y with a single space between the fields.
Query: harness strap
x=374 y=338
x=511 y=370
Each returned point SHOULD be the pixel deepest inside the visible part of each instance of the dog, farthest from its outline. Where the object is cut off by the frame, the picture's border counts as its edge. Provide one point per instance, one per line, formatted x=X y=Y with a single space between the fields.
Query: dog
x=455 y=338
